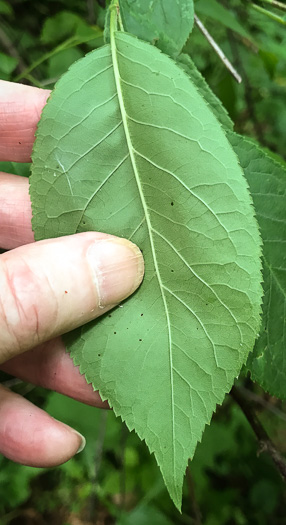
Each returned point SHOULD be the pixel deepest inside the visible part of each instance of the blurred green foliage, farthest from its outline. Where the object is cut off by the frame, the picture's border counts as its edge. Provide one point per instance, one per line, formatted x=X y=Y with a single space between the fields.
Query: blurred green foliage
x=115 y=480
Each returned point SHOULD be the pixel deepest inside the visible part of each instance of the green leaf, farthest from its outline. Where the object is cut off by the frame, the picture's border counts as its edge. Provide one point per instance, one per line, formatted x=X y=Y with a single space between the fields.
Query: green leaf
x=5 y=8
x=215 y=104
x=164 y=23
x=59 y=62
x=216 y=11
x=144 y=515
x=17 y=168
x=126 y=145
x=64 y=24
x=7 y=63
x=267 y=182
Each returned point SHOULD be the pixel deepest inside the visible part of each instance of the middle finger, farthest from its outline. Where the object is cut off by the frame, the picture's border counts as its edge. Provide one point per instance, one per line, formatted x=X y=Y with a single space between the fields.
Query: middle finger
x=50 y=366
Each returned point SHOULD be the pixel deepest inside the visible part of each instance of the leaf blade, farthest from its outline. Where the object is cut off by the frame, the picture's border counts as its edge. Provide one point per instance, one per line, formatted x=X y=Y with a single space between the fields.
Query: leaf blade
x=267 y=182
x=203 y=283
x=219 y=13
x=215 y=104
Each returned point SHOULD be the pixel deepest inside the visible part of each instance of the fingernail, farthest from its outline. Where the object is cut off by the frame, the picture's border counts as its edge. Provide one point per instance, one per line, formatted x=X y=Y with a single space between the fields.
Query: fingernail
x=118 y=268
x=82 y=441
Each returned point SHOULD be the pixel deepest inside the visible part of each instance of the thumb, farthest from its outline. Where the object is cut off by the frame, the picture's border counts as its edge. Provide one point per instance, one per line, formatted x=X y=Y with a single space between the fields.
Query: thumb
x=53 y=286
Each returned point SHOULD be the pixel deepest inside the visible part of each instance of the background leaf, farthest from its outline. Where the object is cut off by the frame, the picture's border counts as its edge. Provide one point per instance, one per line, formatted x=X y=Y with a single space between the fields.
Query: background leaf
x=267 y=182
x=58 y=63
x=164 y=23
x=7 y=65
x=5 y=8
x=66 y=24
x=144 y=515
x=130 y=123
x=219 y=13
x=17 y=168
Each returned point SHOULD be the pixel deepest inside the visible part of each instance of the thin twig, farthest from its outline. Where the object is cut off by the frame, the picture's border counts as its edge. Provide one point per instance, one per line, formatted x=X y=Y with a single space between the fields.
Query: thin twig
x=269 y=14
x=67 y=44
x=10 y=383
x=90 y=11
x=265 y=443
x=274 y=3
x=197 y=518
x=11 y=50
x=97 y=463
x=123 y=442
x=258 y=400
x=218 y=50
x=70 y=42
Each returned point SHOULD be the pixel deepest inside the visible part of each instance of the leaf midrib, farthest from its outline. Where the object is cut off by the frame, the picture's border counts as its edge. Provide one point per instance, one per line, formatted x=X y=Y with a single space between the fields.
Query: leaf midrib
x=131 y=150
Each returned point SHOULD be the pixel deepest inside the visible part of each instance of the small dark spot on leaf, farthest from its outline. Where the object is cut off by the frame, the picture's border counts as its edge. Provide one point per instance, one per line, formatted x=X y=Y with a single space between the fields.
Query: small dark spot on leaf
x=115 y=333
x=140 y=339
x=172 y=271
x=110 y=315
x=172 y=204
x=141 y=315
x=99 y=355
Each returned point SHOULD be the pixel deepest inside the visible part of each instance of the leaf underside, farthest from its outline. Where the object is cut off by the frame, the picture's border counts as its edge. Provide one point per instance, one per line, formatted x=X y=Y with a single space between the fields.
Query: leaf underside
x=126 y=145
x=267 y=182
x=184 y=61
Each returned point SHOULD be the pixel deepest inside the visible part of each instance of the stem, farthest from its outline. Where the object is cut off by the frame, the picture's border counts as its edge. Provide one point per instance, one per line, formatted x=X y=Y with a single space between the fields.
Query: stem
x=122 y=480
x=11 y=50
x=193 y=501
x=38 y=62
x=97 y=463
x=67 y=44
x=274 y=3
x=265 y=443
x=269 y=14
x=115 y=17
x=259 y=401
x=120 y=20
x=90 y=11
x=218 y=50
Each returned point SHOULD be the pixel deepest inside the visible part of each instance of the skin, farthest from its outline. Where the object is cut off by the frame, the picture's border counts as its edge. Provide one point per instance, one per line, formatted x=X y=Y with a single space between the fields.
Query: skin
x=46 y=289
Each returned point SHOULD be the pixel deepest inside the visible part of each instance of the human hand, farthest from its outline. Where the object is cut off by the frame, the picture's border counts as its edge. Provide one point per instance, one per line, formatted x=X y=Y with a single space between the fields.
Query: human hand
x=47 y=289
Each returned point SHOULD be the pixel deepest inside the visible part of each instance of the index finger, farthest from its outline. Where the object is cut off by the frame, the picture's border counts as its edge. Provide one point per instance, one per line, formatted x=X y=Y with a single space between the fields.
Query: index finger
x=20 y=111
